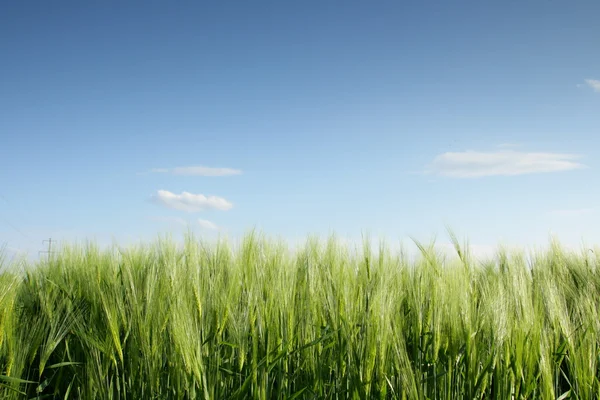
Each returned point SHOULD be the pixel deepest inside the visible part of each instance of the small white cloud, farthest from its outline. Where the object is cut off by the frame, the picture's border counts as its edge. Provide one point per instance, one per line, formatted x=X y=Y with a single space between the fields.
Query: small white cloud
x=191 y=202
x=575 y=212
x=198 y=170
x=207 y=225
x=476 y=164
x=594 y=84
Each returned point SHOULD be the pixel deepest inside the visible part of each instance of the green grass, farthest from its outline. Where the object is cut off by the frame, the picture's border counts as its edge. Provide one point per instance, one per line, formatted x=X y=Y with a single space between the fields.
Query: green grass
x=259 y=321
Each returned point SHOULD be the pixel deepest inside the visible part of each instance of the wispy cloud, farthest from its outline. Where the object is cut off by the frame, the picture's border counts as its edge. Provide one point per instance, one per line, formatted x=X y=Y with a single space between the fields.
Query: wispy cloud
x=191 y=202
x=197 y=170
x=574 y=212
x=207 y=225
x=594 y=84
x=476 y=164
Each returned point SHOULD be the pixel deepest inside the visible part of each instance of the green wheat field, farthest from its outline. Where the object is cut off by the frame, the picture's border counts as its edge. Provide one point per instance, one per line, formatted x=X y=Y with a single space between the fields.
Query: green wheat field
x=257 y=320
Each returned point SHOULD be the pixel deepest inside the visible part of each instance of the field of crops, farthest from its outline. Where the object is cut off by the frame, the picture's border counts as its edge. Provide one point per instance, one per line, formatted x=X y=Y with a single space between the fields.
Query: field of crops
x=259 y=321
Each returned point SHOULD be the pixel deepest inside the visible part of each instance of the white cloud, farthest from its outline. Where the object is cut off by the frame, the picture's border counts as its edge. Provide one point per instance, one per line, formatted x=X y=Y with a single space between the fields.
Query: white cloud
x=207 y=225
x=190 y=202
x=475 y=164
x=594 y=84
x=198 y=170
x=575 y=212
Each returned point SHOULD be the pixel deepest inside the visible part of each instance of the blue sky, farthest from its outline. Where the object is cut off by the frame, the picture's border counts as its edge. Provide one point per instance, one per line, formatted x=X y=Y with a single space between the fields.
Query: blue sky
x=128 y=119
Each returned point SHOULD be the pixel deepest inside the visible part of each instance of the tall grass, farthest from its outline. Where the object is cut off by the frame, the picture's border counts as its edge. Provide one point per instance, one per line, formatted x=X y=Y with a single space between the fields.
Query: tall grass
x=259 y=321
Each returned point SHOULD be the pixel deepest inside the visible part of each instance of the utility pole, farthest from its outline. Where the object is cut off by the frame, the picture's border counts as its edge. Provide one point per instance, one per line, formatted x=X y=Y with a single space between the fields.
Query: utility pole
x=49 y=247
